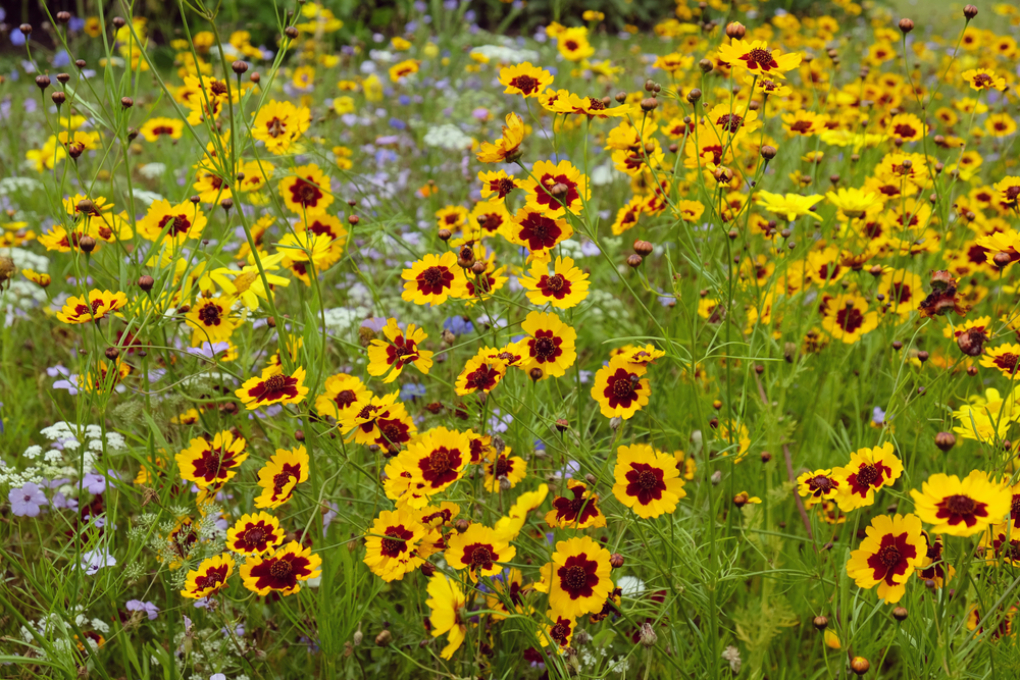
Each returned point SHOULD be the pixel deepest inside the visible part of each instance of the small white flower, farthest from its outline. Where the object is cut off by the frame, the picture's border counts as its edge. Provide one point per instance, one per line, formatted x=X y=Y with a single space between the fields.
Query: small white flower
x=630 y=586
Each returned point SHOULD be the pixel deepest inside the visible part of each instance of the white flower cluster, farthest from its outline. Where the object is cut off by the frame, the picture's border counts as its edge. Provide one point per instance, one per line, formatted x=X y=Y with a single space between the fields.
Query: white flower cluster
x=18 y=186
x=74 y=449
x=340 y=320
x=506 y=54
x=60 y=635
x=593 y=658
x=448 y=137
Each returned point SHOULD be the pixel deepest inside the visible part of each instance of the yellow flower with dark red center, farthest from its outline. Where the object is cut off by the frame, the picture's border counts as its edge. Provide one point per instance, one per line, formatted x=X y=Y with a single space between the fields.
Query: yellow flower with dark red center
x=578 y=509
x=99 y=305
x=558 y=632
x=433 y=279
x=983 y=79
x=507 y=149
x=673 y=62
x=906 y=127
x=847 y=318
x=619 y=388
x=647 y=481
x=207 y=462
x=389 y=358
x=437 y=458
x=903 y=290
x=399 y=485
x=479 y=550
x=380 y=421
x=935 y=569
x=566 y=288
x=210 y=319
x=273 y=388
x=343 y=395
x=307 y=192
x=556 y=188
x=1000 y=125
x=892 y=550
x=578 y=578
x=868 y=471
x=255 y=534
x=175 y=224
x=154 y=128
x=536 y=231
x=550 y=345
x=758 y=59
x=331 y=228
x=278 y=478
x=818 y=485
x=102 y=377
x=446 y=602
x=638 y=354
x=573 y=44
x=452 y=217
x=210 y=577
x=804 y=123
x=1004 y=358
x=962 y=507
x=502 y=468
x=391 y=544
x=498 y=183
x=481 y=374
x=402 y=69
x=524 y=79
x=281 y=571
x=279 y=124
x=308 y=254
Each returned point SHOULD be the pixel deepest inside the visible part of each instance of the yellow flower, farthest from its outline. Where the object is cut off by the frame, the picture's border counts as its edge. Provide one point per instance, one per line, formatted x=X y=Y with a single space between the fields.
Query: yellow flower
x=278 y=478
x=210 y=577
x=578 y=578
x=524 y=79
x=389 y=358
x=211 y=462
x=433 y=279
x=847 y=318
x=566 y=288
x=573 y=44
x=549 y=347
x=984 y=79
x=962 y=508
x=479 y=550
x=647 y=481
x=281 y=571
x=758 y=59
x=403 y=69
x=893 y=549
x=447 y=602
x=790 y=206
x=619 y=389
x=391 y=545
x=273 y=388
x=868 y=471
x=508 y=148
x=279 y=124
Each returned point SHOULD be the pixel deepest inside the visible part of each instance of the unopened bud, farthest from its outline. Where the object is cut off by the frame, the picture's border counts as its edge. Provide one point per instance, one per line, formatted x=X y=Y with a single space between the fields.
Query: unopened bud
x=648 y=636
x=945 y=441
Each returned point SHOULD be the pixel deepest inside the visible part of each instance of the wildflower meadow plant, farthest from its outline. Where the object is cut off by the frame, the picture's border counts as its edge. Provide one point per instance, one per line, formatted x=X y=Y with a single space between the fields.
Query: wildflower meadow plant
x=485 y=340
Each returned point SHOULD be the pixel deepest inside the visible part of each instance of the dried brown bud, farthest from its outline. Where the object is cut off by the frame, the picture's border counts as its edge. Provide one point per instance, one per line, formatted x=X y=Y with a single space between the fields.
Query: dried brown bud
x=922 y=356
x=634 y=261
x=146 y=282
x=461 y=525
x=63 y=77
x=649 y=104
x=643 y=248
x=694 y=95
x=26 y=29
x=562 y=424
x=768 y=152
x=906 y=25
x=118 y=22
x=648 y=637
x=536 y=374
x=616 y=560
x=706 y=65
x=7 y=270
x=1001 y=260
x=42 y=81
x=970 y=11
x=291 y=32
x=900 y=613
x=385 y=637
x=766 y=456
x=58 y=98
x=820 y=622
x=255 y=77
x=972 y=341
x=239 y=66
x=444 y=234
x=127 y=102
x=79 y=63
x=63 y=17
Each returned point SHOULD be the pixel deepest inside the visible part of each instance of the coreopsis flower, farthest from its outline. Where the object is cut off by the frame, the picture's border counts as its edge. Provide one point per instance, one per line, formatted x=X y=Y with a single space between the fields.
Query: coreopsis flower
x=99 y=305
x=278 y=478
x=647 y=481
x=509 y=527
x=273 y=388
x=847 y=318
x=437 y=458
x=549 y=346
x=344 y=395
x=906 y=127
x=102 y=377
x=1000 y=125
x=503 y=466
x=565 y=288
x=452 y=217
x=558 y=632
x=389 y=358
x=962 y=507
x=818 y=485
x=175 y=224
x=433 y=279
x=578 y=509
x=380 y=421
x=279 y=124
x=556 y=188
x=480 y=374
x=281 y=571
x=903 y=290
x=578 y=578
x=536 y=231
x=479 y=550
x=789 y=206
x=508 y=148
x=1003 y=358
x=402 y=69
x=305 y=248
x=391 y=544
x=255 y=534
x=246 y=283
x=983 y=79
x=935 y=568
x=988 y=417
x=306 y=193
x=853 y=203
x=210 y=577
x=573 y=44
x=524 y=79
x=893 y=548
x=154 y=128
x=638 y=354
x=207 y=462
x=619 y=388
x=210 y=319
x=497 y=183
x=758 y=59
x=446 y=602
x=673 y=62
x=868 y=471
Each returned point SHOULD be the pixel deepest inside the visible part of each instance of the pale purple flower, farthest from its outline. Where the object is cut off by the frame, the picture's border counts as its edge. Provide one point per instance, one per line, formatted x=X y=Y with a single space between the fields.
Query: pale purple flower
x=27 y=501
x=151 y=610
x=94 y=560
x=94 y=483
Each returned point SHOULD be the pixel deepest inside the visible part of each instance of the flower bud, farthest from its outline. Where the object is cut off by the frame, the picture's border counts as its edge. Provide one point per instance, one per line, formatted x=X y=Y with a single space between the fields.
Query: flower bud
x=1001 y=260
x=706 y=65
x=649 y=104
x=291 y=32
x=859 y=665
x=735 y=30
x=42 y=81
x=384 y=638
x=820 y=622
x=643 y=248
x=27 y=29
x=694 y=95
x=63 y=17
x=58 y=98
x=970 y=11
x=906 y=25
x=634 y=261
x=615 y=422
x=87 y=244
x=239 y=66
x=112 y=353
x=768 y=152
x=648 y=636
x=118 y=22
x=945 y=441
x=146 y=282
x=900 y=613
x=616 y=560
